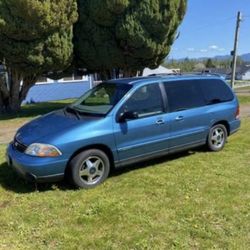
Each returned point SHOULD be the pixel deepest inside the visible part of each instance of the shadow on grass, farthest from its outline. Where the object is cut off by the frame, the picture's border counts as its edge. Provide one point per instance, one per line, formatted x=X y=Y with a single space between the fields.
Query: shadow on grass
x=10 y=180
x=151 y=163
x=33 y=110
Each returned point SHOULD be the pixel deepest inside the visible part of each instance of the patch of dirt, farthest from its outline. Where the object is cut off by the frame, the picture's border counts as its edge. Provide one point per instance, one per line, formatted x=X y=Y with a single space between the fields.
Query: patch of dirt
x=5 y=204
x=245 y=110
x=8 y=130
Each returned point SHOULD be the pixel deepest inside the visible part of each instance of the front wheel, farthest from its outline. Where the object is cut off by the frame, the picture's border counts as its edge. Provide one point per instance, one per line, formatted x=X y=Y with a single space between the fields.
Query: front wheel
x=89 y=168
x=217 y=138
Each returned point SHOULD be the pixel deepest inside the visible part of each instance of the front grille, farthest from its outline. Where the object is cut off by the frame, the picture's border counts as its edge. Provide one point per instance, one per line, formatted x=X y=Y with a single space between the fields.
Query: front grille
x=19 y=146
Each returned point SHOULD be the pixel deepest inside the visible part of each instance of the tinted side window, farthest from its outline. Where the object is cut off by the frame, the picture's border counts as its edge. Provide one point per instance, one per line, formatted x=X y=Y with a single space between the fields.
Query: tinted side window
x=183 y=95
x=215 y=91
x=146 y=101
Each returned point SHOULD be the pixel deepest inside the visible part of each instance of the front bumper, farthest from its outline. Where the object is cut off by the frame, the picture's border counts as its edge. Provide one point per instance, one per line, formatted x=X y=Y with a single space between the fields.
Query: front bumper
x=36 y=169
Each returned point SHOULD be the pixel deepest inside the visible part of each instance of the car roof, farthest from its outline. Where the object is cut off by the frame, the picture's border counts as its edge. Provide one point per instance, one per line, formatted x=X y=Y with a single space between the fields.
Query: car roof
x=157 y=78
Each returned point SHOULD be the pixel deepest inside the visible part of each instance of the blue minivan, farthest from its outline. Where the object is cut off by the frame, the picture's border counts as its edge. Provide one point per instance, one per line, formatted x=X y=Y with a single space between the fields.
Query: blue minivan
x=122 y=122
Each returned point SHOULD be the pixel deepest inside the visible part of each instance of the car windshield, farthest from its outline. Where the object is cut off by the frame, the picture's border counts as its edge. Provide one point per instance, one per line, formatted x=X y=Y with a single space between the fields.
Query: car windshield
x=101 y=99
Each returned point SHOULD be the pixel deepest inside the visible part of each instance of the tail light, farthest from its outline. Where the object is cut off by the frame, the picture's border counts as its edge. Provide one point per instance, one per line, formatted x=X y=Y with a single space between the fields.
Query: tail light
x=237 y=115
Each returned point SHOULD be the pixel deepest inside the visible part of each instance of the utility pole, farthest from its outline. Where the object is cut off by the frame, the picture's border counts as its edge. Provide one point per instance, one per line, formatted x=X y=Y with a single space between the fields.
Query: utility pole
x=234 y=52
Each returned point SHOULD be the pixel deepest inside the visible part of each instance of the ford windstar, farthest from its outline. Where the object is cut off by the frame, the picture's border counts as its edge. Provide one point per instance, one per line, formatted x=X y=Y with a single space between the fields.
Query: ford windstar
x=122 y=122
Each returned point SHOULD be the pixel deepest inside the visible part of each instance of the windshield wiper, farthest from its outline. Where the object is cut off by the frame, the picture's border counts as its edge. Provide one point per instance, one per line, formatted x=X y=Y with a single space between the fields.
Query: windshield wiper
x=73 y=111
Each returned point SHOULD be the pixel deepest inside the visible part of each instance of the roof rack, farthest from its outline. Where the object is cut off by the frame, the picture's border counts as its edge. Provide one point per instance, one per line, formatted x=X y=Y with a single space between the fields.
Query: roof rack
x=185 y=74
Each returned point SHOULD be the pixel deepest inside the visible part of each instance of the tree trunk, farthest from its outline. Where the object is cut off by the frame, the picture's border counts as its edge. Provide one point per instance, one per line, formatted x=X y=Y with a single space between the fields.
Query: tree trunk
x=127 y=73
x=4 y=95
x=14 y=104
x=11 y=98
x=28 y=82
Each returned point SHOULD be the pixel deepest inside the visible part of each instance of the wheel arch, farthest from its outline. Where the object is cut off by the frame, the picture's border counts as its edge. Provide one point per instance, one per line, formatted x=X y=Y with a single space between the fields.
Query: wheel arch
x=101 y=147
x=225 y=123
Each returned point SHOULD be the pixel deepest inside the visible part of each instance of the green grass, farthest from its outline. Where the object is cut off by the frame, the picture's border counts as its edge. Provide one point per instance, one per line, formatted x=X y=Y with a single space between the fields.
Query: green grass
x=32 y=110
x=29 y=112
x=243 y=89
x=244 y=99
x=193 y=200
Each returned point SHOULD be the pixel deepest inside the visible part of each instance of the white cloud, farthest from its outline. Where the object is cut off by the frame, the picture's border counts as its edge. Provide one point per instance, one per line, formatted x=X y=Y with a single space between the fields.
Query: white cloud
x=214 y=47
x=191 y=49
x=203 y=50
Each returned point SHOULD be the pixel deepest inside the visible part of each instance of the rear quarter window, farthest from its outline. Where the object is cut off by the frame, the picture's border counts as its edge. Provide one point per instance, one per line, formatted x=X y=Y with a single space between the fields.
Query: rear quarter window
x=183 y=95
x=215 y=91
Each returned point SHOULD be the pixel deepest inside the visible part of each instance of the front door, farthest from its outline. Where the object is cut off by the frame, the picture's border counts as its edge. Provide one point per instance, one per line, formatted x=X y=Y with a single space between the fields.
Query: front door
x=149 y=132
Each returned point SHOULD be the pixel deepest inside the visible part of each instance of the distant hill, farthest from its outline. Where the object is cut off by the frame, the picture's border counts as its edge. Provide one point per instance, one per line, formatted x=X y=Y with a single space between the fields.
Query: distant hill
x=244 y=57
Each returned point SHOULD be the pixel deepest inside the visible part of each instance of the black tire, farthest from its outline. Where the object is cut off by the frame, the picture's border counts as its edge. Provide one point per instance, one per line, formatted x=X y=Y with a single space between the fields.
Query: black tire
x=89 y=168
x=217 y=138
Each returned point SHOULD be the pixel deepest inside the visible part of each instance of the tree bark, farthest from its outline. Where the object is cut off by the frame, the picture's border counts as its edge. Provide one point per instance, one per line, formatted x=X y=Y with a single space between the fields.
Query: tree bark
x=28 y=82
x=4 y=95
x=15 y=84
x=11 y=98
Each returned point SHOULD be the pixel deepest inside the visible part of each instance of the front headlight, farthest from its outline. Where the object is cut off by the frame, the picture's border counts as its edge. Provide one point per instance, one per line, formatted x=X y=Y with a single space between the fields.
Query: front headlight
x=42 y=150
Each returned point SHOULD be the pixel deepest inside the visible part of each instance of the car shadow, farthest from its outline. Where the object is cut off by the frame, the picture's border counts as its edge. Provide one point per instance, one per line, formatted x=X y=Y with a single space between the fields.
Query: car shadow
x=9 y=179
x=150 y=163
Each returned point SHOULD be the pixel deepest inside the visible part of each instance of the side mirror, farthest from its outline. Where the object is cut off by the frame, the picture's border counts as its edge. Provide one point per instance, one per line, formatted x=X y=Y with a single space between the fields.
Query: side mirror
x=128 y=115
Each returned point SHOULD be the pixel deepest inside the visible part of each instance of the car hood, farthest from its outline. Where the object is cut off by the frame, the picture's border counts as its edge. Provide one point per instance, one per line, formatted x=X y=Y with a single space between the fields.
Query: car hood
x=49 y=126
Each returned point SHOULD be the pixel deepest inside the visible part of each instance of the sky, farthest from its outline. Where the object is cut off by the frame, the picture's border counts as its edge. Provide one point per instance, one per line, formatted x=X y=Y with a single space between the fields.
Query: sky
x=208 y=29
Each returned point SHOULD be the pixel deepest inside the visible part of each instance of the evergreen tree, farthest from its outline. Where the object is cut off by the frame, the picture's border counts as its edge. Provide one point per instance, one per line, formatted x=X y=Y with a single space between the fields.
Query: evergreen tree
x=210 y=64
x=35 y=38
x=125 y=34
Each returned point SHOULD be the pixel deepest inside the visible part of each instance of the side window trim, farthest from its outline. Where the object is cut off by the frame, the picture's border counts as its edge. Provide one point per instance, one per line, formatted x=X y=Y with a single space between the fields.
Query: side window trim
x=164 y=97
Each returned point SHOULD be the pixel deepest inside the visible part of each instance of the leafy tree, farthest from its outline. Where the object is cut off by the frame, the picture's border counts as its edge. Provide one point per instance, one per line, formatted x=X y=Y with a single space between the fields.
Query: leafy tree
x=210 y=64
x=35 y=38
x=185 y=65
x=125 y=34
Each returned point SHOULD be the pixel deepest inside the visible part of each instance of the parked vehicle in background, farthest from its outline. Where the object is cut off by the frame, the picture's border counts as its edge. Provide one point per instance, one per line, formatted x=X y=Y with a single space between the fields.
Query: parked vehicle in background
x=124 y=121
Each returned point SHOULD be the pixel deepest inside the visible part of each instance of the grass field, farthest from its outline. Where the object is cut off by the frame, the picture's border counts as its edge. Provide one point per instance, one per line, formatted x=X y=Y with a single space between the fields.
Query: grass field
x=193 y=200
x=243 y=89
x=244 y=99
x=32 y=110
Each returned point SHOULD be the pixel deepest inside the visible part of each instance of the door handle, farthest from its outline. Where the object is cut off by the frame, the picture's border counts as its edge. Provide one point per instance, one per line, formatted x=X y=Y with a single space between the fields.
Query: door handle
x=160 y=122
x=179 y=118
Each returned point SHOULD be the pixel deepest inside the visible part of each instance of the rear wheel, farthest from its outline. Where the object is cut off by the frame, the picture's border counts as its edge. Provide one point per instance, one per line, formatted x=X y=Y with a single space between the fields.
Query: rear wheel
x=217 y=138
x=89 y=168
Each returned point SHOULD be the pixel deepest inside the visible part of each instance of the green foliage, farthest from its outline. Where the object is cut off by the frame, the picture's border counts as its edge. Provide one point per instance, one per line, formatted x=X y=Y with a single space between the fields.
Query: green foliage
x=186 y=65
x=36 y=35
x=210 y=64
x=190 y=65
x=35 y=38
x=125 y=34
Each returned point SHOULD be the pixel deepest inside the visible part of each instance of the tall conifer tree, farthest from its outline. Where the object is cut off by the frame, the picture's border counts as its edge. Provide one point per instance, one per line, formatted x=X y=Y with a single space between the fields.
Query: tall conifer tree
x=126 y=34
x=35 y=37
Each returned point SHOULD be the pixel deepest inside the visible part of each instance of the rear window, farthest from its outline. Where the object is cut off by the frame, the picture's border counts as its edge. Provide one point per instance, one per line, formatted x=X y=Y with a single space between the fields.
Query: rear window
x=215 y=91
x=188 y=94
x=183 y=95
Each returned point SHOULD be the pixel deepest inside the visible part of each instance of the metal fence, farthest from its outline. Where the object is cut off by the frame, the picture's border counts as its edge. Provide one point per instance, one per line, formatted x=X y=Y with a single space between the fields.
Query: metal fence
x=56 y=91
